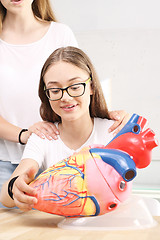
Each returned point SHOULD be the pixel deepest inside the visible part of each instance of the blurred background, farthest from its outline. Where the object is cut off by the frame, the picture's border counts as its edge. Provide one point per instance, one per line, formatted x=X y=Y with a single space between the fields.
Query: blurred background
x=122 y=38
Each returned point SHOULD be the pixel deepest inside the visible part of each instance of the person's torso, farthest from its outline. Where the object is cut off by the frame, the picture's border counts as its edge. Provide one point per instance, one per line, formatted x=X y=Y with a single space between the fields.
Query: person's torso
x=20 y=68
x=47 y=152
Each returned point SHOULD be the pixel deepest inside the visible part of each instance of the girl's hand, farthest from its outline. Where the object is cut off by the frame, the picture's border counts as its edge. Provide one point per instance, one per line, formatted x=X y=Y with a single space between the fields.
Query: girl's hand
x=44 y=129
x=21 y=187
x=121 y=118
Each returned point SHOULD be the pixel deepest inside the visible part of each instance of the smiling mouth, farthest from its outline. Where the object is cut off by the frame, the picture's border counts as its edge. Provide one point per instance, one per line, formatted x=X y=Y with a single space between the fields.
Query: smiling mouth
x=16 y=1
x=69 y=107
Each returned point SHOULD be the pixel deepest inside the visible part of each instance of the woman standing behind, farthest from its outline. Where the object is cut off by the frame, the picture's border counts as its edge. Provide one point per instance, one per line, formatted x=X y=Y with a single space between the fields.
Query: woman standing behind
x=29 y=33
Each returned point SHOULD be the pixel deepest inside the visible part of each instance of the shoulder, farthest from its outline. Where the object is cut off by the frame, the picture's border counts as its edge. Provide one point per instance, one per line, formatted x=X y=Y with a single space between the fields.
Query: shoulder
x=101 y=134
x=35 y=140
x=41 y=144
x=34 y=137
x=37 y=146
x=60 y=27
x=103 y=123
x=62 y=35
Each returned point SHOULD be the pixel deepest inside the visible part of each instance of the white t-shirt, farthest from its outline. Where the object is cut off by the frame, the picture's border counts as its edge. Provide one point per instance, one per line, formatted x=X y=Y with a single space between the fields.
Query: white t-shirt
x=20 y=67
x=47 y=152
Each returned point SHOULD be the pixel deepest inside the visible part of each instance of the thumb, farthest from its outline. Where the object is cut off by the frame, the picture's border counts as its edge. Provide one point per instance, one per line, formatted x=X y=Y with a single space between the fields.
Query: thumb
x=30 y=174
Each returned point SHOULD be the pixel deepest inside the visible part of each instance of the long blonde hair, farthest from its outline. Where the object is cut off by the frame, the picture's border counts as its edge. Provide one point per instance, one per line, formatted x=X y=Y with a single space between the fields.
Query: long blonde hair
x=77 y=57
x=41 y=9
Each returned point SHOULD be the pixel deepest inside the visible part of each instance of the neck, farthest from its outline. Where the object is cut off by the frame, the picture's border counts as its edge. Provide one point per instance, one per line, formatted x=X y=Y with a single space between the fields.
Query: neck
x=23 y=28
x=19 y=23
x=74 y=134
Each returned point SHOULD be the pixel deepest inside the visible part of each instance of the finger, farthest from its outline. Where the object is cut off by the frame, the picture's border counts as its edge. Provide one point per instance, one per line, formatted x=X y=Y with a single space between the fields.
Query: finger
x=29 y=175
x=51 y=131
x=25 y=193
x=23 y=188
x=23 y=180
x=23 y=201
x=24 y=198
x=126 y=118
x=53 y=128
x=22 y=205
x=39 y=133
x=119 y=125
x=114 y=126
x=117 y=130
x=45 y=130
x=114 y=115
x=50 y=135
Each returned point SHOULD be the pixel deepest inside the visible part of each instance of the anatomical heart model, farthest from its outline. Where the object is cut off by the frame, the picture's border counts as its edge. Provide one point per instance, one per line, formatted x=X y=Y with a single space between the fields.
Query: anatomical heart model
x=97 y=179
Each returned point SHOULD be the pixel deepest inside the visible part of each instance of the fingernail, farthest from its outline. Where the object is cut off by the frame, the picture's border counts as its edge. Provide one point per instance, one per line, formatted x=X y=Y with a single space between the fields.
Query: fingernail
x=114 y=134
x=57 y=132
x=109 y=130
x=118 y=117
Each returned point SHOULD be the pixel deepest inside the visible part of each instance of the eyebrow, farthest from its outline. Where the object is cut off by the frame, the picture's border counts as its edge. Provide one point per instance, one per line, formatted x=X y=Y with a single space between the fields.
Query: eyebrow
x=56 y=82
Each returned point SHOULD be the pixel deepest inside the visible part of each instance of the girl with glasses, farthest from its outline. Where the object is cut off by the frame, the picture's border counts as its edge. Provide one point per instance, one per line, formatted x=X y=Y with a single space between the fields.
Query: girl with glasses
x=72 y=99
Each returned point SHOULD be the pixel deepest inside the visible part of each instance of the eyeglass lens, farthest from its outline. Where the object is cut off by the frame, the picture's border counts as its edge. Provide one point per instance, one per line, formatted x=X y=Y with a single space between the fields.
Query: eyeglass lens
x=75 y=90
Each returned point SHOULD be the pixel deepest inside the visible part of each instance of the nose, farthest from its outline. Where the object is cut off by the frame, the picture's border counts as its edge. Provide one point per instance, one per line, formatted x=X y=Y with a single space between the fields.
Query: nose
x=65 y=96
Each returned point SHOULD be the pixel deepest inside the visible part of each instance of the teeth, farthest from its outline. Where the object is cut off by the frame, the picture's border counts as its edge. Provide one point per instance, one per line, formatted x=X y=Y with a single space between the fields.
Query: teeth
x=70 y=106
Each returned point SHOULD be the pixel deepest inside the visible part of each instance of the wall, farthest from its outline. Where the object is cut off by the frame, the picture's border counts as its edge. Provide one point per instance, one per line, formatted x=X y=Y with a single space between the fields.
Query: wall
x=122 y=37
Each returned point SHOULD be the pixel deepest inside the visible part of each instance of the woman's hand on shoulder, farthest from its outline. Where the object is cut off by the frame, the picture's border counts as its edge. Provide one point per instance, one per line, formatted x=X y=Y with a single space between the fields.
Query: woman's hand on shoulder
x=44 y=129
x=121 y=117
x=23 y=194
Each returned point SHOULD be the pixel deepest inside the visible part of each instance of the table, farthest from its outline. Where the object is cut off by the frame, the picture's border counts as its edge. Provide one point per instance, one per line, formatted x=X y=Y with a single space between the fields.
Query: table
x=36 y=225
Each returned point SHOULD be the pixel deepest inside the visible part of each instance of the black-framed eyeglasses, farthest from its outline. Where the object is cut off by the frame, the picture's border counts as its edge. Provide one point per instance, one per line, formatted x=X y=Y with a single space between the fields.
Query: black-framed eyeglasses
x=74 y=90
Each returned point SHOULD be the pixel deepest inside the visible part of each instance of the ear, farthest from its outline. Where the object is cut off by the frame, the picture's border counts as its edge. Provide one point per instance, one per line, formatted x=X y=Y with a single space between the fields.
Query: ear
x=91 y=89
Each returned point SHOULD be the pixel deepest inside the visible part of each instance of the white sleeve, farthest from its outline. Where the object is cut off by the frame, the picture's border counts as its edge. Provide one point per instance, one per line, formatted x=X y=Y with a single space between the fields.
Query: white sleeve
x=64 y=36
x=69 y=37
x=35 y=149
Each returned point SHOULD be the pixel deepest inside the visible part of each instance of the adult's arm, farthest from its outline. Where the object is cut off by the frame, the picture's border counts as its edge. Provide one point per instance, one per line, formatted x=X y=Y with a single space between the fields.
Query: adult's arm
x=11 y=132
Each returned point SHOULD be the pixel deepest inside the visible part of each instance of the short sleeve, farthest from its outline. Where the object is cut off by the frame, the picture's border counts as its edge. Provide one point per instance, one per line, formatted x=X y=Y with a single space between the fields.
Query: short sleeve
x=63 y=35
x=69 y=37
x=35 y=149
